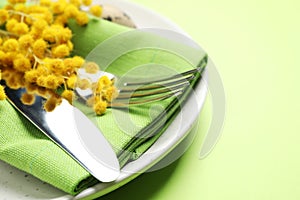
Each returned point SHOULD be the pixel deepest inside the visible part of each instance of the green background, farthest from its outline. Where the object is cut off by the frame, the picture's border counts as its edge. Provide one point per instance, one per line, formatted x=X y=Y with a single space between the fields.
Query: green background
x=255 y=47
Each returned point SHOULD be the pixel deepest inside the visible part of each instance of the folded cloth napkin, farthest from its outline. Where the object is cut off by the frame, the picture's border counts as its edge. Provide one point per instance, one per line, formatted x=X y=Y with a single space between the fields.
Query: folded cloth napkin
x=25 y=147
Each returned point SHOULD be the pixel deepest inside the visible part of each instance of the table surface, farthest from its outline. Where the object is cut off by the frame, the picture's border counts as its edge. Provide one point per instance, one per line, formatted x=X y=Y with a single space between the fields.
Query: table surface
x=254 y=45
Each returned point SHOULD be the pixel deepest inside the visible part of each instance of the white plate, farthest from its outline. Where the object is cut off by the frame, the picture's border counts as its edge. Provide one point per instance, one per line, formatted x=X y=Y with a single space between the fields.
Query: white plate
x=15 y=184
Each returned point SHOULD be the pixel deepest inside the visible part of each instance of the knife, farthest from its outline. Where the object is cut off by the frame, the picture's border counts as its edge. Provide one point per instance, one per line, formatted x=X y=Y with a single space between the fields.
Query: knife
x=73 y=132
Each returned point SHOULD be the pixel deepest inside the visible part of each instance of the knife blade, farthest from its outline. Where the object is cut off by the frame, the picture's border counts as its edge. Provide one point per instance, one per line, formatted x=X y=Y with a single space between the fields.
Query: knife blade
x=73 y=132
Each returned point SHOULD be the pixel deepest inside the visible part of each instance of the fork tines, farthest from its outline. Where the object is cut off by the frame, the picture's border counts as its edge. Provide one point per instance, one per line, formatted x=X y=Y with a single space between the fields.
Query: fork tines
x=134 y=93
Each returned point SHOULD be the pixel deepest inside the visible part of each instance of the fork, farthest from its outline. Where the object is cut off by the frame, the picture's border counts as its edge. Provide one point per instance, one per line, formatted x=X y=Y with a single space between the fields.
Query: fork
x=131 y=92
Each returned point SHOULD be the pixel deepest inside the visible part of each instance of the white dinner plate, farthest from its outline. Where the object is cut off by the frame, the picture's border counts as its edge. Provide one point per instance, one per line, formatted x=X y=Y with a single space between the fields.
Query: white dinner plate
x=15 y=184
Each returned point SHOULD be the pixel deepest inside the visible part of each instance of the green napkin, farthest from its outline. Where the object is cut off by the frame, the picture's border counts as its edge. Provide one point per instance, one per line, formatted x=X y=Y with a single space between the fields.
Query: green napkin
x=25 y=147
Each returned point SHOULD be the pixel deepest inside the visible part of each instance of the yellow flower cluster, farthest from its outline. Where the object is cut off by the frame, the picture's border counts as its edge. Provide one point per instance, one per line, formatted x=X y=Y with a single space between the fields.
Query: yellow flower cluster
x=103 y=90
x=35 y=47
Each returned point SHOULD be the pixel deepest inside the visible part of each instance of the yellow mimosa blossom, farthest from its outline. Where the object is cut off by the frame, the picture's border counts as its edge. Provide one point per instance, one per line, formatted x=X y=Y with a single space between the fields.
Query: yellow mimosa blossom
x=25 y=41
x=28 y=99
x=11 y=45
x=87 y=2
x=84 y=84
x=3 y=16
x=82 y=18
x=20 y=28
x=52 y=102
x=100 y=107
x=96 y=10
x=77 y=3
x=69 y=95
x=91 y=67
x=21 y=63
x=71 y=82
x=36 y=49
x=39 y=48
x=61 y=51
